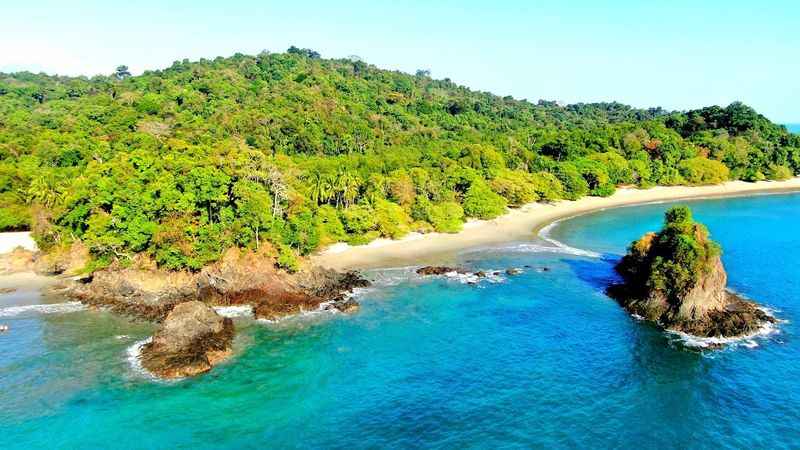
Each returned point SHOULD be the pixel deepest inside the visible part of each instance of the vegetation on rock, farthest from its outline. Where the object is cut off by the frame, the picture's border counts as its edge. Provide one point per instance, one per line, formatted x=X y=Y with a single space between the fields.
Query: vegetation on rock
x=676 y=278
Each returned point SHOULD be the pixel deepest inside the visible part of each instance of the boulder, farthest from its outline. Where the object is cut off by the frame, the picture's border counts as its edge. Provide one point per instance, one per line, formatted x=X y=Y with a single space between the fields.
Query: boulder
x=191 y=340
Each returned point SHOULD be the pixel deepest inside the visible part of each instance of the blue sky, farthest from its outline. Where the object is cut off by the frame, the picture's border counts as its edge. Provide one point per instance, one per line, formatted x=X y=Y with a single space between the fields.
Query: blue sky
x=677 y=54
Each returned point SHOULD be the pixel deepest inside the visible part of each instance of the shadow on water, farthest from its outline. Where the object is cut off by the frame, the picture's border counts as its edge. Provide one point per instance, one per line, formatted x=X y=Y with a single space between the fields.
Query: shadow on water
x=597 y=272
x=653 y=353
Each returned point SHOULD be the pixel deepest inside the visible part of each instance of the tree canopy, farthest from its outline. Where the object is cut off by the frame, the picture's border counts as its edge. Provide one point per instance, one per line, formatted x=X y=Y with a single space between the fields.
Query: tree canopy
x=296 y=151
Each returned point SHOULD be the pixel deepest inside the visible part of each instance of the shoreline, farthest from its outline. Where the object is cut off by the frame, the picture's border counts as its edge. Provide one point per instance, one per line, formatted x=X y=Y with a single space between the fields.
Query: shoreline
x=523 y=224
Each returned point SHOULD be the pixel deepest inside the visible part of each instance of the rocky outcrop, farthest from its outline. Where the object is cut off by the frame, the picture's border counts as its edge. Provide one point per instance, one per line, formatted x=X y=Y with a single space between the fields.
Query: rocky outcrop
x=676 y=279
x=311 y=290
x=192 y=339
x=240 y=278
x=68 y=260
x=18 y=260
x=439 y=270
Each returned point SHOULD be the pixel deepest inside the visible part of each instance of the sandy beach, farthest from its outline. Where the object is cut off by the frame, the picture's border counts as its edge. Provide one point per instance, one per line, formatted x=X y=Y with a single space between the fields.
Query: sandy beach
x=521 y=224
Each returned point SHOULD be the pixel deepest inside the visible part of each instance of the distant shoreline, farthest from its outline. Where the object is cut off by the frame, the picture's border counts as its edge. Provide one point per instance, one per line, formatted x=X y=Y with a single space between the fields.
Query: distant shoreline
x=522 y=223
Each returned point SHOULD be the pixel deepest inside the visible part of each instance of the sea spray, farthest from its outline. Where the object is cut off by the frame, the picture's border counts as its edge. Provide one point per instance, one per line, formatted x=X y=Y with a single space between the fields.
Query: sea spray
x=234 y=311
x=561 y=247
x=134 y=358
x=52 y=308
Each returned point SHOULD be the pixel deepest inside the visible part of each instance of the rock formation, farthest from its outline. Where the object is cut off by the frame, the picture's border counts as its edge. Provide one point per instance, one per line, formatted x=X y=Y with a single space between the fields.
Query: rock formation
x=191 y=340
x=439 y=270
x=676 y=279
x=18 y=260
x=240 y=278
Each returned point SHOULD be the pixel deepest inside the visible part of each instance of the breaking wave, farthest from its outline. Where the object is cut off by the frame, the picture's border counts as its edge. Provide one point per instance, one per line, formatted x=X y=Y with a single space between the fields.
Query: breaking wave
x=234 y=311
x=53 y=308
x=134 y=357
x=749 y=341
x=134 y=353
x=560 y=247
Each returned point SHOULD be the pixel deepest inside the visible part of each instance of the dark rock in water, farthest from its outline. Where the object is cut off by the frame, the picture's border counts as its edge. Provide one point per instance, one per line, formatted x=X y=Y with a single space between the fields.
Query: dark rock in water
x=191 y=340
x=545 y=269
x=676 y=279
x=438 y=270
x=314 y=288
x=480 y=274
x=513 y=271
x=527 y=266
x=285 y=304
x=347 y=305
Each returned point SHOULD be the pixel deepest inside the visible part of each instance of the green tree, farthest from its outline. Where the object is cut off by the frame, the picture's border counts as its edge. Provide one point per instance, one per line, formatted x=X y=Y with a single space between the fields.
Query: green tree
x=481 y=202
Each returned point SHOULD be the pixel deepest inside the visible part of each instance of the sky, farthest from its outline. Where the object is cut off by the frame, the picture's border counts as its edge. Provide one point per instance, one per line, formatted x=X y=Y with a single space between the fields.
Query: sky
x=675 y=54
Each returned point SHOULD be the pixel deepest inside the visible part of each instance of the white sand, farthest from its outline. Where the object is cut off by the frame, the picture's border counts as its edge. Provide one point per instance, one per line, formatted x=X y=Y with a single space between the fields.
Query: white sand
x=520 y=224
x=10 y=241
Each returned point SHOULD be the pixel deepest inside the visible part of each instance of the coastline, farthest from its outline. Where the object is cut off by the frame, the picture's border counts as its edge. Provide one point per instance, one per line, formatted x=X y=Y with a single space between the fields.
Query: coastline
x=522 y=223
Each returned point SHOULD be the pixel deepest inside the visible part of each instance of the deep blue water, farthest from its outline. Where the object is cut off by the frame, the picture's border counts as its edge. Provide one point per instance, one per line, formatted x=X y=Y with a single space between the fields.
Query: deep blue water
x=543 y=359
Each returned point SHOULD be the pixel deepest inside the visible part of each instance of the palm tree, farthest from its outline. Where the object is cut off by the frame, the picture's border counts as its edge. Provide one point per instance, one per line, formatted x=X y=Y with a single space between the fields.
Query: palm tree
x=42 y=192
x=350 y=189
x=321 y=188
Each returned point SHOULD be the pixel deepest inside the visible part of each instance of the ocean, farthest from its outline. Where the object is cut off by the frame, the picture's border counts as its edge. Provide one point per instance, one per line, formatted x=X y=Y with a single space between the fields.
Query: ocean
x=793 y=127
x=541 y=359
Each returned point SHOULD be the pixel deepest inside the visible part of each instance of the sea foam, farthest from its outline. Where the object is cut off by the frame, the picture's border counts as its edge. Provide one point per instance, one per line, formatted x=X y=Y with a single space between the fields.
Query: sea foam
x=749 y=341
x=234 y=311
x=52 y=308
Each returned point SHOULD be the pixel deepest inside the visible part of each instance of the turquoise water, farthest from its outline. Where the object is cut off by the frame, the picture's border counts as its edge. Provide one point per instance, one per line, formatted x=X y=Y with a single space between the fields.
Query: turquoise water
x=793 y=127
x=543 y=359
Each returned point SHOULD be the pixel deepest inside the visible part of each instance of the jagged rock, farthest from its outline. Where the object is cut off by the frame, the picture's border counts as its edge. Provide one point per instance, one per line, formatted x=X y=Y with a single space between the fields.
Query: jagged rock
x=192 y=339
x=347 y=305
x=285 y=304
x=513 y=271
x=676 y=279
x=438 y=270
x=240 y=278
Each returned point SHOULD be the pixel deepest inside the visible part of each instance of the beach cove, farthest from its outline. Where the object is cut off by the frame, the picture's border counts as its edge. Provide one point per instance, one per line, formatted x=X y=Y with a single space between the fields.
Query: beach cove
x=521 y=224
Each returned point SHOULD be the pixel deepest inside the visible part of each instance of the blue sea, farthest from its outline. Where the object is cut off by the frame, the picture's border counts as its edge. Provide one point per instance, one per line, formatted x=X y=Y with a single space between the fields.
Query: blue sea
x=542 y=359
x=793 y=127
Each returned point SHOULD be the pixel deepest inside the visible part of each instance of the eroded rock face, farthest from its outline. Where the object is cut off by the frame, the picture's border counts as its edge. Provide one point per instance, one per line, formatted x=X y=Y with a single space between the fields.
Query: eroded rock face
x=240 y=278
x=191 y=340
x=707 y=310
x=676 y=279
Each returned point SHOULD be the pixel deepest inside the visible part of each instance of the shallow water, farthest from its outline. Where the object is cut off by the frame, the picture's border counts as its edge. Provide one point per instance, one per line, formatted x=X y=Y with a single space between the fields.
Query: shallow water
x=539 y=359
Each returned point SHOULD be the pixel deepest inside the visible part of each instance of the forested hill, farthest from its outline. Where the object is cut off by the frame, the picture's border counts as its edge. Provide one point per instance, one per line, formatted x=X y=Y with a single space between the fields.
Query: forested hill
x=298 y=151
